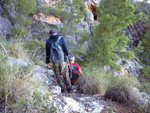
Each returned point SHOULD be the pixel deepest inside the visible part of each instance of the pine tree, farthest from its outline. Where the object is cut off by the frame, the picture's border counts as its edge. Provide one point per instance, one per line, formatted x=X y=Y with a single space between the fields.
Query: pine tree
x=109 y=39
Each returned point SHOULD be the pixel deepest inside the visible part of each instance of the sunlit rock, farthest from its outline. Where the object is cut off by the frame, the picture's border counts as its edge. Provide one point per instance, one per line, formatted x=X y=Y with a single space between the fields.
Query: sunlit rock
x=43 y=75
x=76 y=106
x=56 y=90
x=50 y=19
x=14 y=61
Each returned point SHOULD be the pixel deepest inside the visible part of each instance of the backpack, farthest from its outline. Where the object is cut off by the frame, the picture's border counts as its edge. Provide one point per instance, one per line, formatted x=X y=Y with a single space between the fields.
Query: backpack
x=57 y=54
x=73 y=72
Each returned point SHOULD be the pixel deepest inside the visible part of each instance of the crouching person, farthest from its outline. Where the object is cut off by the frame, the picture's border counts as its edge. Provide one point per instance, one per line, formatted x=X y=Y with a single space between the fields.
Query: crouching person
x=56 y=50
x=74 y=70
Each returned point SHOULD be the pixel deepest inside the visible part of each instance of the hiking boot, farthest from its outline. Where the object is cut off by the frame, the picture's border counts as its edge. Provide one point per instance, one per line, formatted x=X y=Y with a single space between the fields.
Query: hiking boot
x=70 y=90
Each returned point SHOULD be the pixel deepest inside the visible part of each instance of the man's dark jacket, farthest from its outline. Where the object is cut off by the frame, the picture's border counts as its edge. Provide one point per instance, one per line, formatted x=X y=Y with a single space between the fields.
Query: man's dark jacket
x=62 y=44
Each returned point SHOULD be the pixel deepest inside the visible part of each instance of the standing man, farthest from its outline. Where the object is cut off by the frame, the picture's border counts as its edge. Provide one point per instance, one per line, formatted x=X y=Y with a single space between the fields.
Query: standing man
x=56 y=52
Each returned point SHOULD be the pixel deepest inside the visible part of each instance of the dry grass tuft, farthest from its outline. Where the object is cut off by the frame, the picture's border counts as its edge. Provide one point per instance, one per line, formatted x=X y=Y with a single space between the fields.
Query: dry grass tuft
x=88 y=85
x=14 y=48
x=119 y=94
x=97 y=81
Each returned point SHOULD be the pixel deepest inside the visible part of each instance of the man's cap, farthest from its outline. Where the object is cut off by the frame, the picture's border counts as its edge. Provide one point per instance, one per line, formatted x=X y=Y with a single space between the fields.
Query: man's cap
x=71 y=58
x=52 y=31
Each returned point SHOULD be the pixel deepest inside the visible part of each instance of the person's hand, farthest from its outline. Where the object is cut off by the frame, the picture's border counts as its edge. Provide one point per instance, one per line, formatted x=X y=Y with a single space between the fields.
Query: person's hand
x=49 y=65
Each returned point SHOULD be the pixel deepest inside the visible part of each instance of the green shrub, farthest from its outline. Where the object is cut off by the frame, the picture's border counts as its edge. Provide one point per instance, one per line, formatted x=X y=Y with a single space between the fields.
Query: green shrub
x=22 y=9
x=96 y=80
x=14 y=82
x=109 y=39
x=37 y=61
x=93 y=79
x=39 y=103
x=14 y=48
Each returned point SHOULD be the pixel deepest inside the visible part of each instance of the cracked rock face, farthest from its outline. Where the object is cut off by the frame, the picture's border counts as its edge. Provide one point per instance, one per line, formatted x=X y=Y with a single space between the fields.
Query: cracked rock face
x=50 y=19
x=5 y=26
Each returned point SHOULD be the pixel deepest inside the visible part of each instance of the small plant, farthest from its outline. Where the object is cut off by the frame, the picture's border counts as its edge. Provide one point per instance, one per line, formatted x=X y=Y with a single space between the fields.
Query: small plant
x=38 y=102
x=14 y=48
x=42 y=103
x=109 y=110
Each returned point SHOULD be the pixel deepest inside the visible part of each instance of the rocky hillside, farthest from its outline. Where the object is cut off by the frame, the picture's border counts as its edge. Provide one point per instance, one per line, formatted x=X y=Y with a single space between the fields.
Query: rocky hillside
x=74 y=102
x=75 y=21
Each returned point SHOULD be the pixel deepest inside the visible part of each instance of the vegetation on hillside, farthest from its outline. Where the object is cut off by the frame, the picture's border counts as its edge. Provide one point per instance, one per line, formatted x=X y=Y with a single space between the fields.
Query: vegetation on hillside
x=20 y=17
x=18 y=90
x=109 y=39
x=99 y=81
x=143 y=49
x=108 y=42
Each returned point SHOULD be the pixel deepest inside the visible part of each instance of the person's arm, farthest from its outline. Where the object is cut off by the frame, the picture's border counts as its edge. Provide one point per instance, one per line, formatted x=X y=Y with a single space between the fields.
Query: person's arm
x=80 y=72
x=79 y=69
x=48 y=54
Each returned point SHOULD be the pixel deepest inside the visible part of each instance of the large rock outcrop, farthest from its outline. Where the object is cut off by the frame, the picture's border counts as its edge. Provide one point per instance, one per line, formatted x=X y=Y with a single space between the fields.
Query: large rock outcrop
x=5 y=26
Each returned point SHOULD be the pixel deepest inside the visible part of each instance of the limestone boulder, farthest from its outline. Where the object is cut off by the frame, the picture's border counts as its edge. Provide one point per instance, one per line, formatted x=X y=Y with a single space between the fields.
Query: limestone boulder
x=55 y=90
x=71 y=103
x=43 y=75
x=90 y=16
x=5 y=26
x=39 y=73
x=14 y=61
x=140 y=102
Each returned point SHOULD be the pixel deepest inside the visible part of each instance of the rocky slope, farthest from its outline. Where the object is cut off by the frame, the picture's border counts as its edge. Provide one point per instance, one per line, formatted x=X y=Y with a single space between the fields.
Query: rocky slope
x=75 y=102
x=69 y=103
